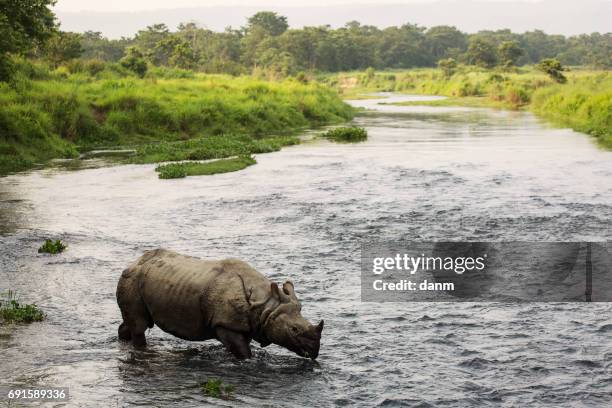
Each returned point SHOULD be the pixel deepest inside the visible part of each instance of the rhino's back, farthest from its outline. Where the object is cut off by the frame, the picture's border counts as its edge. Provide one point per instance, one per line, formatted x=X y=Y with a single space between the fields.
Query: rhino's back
x=189 y=297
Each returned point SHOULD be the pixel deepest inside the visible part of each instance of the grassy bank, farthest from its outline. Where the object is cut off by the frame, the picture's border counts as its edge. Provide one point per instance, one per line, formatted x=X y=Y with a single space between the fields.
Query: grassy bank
x=584 y=103
x=50 y=114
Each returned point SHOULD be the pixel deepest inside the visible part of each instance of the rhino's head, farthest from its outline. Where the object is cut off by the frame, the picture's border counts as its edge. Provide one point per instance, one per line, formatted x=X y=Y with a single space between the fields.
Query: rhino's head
x=285 y=326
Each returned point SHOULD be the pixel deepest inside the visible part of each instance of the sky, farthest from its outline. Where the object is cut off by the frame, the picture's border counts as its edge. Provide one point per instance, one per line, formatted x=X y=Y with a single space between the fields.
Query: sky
x=124 y=18
x=138 y=5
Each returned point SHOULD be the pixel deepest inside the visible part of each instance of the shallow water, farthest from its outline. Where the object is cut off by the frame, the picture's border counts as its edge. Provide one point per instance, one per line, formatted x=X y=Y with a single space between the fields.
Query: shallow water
x=424 y=174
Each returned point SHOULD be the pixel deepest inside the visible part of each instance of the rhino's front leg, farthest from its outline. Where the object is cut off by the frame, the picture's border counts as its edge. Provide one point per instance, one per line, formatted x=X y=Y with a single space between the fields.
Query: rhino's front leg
x=236 y=343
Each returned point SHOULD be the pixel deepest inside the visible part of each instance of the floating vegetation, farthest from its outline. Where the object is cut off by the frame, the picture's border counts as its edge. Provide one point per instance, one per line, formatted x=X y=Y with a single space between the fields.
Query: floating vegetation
x=215 y=388
x=11 y=311
x=181 y=170
x=52 y=247
x=347 y=134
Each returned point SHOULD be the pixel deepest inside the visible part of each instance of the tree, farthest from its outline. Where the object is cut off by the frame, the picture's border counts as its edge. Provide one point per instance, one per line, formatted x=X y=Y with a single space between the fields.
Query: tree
x=183 y=56
x=134 y=61
x=444 y=41
x=448 y=66
x=146 y=39
x=509 y=53
x=97 y=47
x=269 y=21
x=553 y=68
x=482 y=53
x=63 y=47
x=24 y=24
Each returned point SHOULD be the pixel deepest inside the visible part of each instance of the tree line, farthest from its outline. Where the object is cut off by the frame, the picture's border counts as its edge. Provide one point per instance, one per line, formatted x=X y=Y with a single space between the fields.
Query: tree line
x=266 y=45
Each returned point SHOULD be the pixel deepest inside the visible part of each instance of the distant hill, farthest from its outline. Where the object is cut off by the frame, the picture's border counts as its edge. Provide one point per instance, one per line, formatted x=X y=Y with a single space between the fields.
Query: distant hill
x=554 y=17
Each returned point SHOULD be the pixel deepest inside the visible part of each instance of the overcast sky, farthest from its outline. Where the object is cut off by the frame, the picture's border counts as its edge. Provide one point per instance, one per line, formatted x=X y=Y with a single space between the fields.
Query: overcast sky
x=137 y=5
x=116 y=18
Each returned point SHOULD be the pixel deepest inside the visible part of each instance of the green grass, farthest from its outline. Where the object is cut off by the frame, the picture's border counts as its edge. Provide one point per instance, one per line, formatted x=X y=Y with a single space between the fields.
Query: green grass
x=181 y=170
x=215 y=388
x=347 y=134
x=55 y=114
x=11 y=311
x=584 y=103
x=52 y=247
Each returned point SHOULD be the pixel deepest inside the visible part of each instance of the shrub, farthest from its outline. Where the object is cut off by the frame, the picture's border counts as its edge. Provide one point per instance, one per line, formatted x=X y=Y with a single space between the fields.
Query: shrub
x=553 y=68
x=350 y=134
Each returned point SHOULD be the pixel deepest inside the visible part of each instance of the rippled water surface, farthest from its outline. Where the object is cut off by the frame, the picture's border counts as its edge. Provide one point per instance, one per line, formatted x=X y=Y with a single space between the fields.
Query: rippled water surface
x=424 y=174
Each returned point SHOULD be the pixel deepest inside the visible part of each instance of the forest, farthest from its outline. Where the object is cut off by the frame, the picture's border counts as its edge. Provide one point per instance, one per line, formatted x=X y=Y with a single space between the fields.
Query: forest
x=266 y=45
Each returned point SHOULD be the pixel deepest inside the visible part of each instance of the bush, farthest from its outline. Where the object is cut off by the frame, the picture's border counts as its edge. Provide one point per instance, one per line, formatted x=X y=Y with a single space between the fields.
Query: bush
x=351 y=134
x=553 y=68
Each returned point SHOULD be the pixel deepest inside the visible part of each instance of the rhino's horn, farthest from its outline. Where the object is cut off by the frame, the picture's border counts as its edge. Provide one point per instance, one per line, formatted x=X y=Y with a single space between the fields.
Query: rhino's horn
x=320 y=327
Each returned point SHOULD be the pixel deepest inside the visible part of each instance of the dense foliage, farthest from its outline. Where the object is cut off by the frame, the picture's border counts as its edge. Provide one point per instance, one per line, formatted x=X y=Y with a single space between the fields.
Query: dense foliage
x=24 y=24
x=266 y=46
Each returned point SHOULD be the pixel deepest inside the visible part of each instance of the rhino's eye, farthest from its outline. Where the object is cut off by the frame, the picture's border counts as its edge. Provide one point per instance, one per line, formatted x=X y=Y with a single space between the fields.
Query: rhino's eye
x=294 y=329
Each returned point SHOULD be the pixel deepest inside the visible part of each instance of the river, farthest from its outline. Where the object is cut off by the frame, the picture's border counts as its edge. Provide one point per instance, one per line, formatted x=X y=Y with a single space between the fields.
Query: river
x=425 y=173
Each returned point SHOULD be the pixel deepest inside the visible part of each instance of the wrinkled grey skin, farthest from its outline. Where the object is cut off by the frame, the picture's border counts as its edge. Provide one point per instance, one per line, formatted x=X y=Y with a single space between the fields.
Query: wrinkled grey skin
x=225 y=300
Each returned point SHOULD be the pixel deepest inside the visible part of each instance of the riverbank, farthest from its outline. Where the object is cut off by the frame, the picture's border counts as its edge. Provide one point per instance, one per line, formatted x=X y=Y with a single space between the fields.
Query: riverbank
x=584 y=103
x=58 y=114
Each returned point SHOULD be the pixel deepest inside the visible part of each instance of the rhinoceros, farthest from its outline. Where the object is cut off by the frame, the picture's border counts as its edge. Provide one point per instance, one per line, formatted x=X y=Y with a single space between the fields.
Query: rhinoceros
x=227 y=300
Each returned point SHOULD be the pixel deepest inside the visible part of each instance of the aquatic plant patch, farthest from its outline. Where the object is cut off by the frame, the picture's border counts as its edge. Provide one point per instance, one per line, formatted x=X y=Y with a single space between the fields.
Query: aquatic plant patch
x=210 y=147
x=11 y=311
x=181 y=170
x=347 y=134
x=52 y=247
x=215 y=388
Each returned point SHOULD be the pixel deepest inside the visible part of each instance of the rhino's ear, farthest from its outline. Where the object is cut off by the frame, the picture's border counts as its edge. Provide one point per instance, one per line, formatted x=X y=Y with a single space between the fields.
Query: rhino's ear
x=320 y=327
x=288 y=288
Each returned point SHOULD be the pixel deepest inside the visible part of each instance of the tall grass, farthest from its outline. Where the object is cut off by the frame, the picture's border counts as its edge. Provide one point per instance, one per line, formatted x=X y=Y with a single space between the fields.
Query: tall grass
x=50 y=114
x=584 y=105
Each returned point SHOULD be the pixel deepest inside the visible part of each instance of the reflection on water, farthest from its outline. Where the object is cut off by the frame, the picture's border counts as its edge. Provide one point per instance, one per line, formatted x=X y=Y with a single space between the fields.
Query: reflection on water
x=300 y=214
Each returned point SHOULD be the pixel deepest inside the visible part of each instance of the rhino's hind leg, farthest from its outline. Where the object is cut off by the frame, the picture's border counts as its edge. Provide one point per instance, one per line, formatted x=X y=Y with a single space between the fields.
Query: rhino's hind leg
x=136 y=320
x=236 y=343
